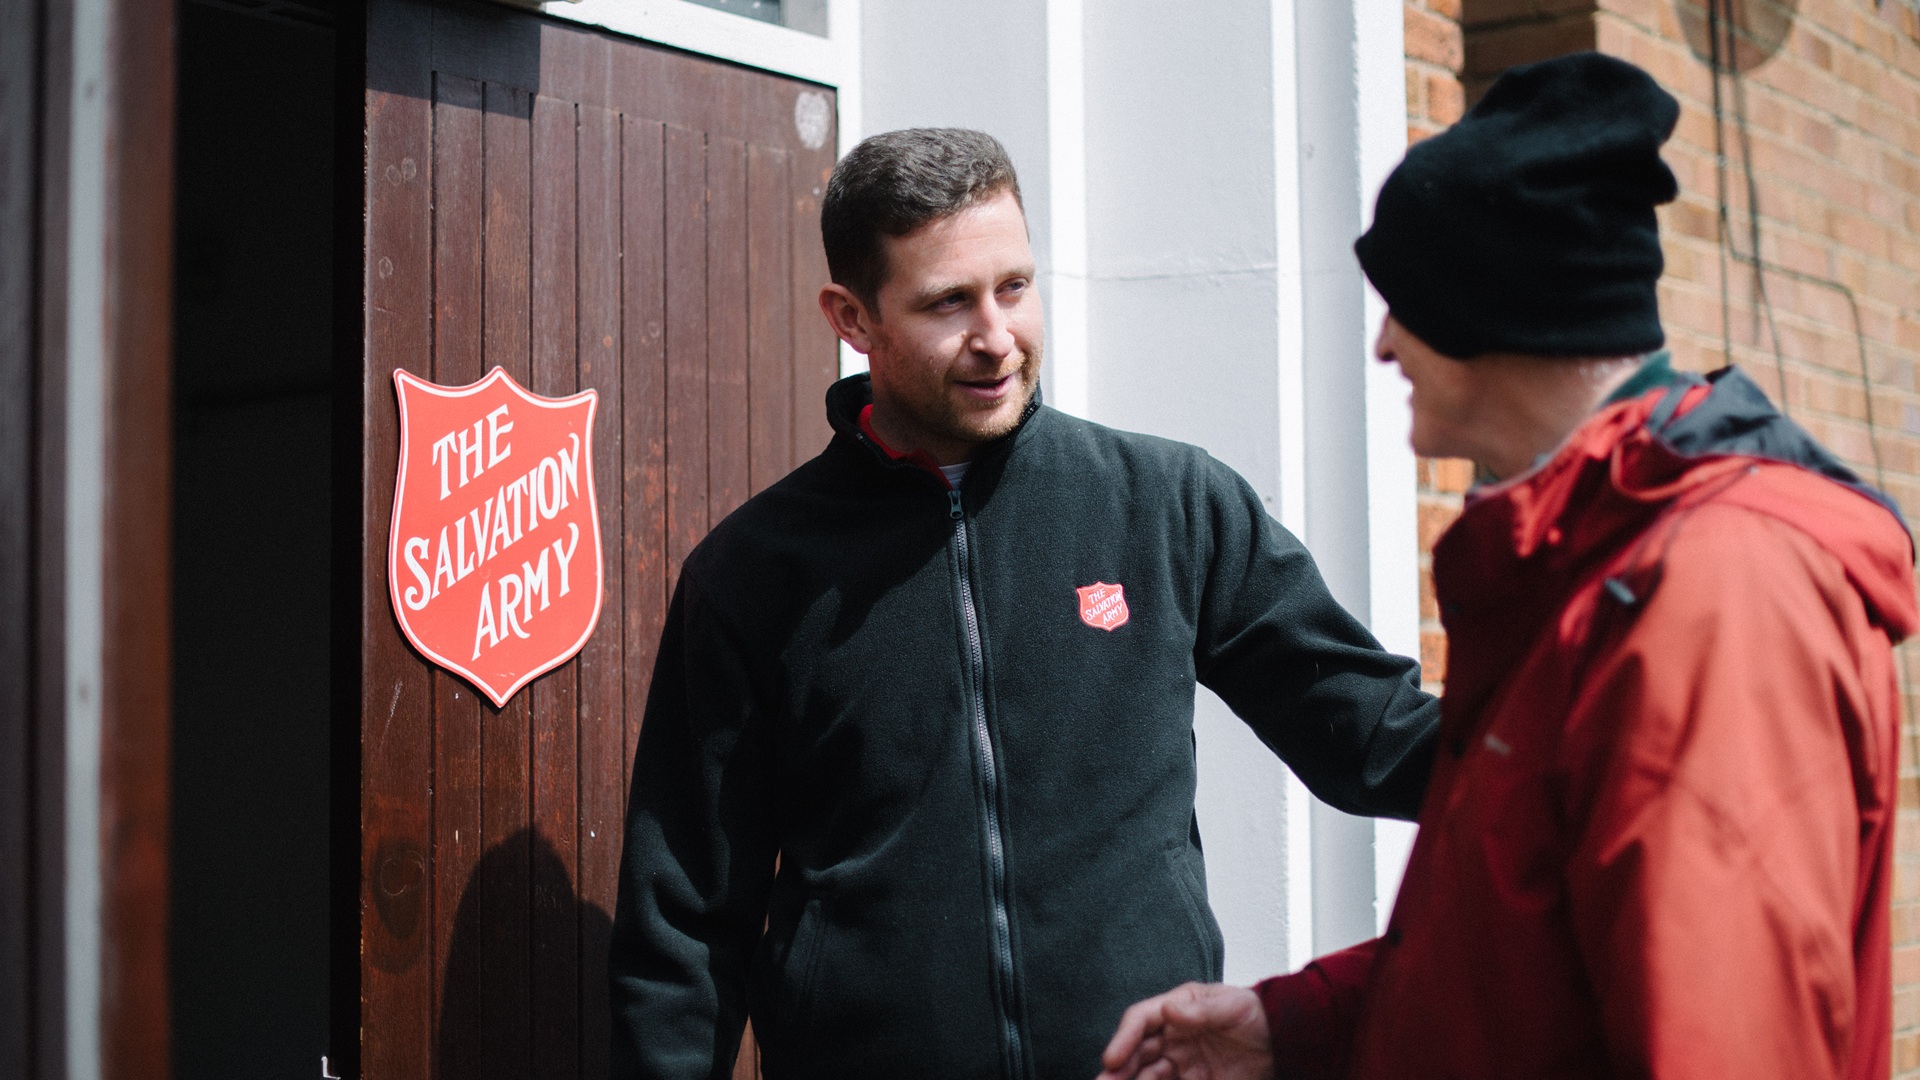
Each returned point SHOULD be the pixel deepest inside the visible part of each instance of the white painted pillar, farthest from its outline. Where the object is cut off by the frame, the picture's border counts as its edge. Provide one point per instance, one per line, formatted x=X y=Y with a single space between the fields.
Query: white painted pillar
x=1352 y=132
x=1393 y=523
x=1066 y=370
x=1291 y=426
x=1192 y=324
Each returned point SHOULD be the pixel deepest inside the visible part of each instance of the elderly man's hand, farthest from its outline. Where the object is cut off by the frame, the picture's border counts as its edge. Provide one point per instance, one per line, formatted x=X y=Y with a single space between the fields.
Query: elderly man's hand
x=1200 y=1031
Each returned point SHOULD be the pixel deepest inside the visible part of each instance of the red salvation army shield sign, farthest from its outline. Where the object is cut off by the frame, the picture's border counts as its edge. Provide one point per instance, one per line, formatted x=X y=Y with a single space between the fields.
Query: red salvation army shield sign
x=1103 y=606
x=493 y=563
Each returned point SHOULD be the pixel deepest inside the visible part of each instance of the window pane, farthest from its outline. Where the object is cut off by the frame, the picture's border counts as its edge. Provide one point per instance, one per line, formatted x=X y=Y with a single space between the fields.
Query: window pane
x=809 y=16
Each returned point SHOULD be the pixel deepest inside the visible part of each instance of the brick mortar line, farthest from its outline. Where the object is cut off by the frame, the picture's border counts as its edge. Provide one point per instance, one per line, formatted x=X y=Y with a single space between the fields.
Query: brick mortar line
x=1780 y=181
x=1867 y=300
x=1882 y=307
x=1805 y=108
x=1798 y=231
x=1537 y=19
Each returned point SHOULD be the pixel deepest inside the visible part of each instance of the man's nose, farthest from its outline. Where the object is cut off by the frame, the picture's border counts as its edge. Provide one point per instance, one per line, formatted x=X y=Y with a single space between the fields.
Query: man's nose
x=992 y=331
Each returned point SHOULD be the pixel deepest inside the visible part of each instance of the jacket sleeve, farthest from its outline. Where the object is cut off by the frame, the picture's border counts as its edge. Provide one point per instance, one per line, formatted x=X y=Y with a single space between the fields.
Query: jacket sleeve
x=1313 y=1015
x=1348 y=717
x=1722 y=756
x=698 y=861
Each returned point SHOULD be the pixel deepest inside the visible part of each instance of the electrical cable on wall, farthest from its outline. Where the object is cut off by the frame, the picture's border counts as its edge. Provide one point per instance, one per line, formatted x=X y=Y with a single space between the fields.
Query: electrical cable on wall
x=1722 y=59
x=1723 y=62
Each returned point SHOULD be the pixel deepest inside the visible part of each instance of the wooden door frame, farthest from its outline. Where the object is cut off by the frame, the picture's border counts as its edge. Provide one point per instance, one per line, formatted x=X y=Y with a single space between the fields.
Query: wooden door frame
x=85 y=441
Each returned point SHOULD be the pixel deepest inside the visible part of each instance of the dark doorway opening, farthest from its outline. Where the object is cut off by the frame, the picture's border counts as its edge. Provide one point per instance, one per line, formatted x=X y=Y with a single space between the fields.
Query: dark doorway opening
x=249 y=913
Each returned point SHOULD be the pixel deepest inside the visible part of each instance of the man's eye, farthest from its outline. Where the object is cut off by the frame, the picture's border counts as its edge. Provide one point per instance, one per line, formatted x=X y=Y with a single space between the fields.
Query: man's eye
x=1016 y=286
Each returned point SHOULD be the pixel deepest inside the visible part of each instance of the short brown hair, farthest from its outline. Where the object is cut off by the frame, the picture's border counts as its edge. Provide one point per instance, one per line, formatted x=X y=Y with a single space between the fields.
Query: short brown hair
x=892 y=184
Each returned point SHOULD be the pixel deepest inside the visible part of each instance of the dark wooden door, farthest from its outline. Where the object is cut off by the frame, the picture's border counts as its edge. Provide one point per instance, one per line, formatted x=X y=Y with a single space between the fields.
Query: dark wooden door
x=585 y=211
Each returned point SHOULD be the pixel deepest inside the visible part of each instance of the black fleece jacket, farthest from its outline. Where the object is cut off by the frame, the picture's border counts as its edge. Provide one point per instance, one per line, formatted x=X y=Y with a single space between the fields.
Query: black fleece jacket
x=981 y=804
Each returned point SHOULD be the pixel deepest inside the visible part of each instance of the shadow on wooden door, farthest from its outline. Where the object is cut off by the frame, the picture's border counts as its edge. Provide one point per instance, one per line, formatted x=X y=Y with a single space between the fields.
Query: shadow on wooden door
x=560 y=1020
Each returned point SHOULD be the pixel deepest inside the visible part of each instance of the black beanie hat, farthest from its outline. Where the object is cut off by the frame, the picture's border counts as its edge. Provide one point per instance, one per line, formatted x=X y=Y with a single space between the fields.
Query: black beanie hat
x=1528 y=226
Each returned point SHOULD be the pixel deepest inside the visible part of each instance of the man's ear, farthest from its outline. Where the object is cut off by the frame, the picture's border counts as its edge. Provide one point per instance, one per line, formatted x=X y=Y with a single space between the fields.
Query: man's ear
x=848 y=317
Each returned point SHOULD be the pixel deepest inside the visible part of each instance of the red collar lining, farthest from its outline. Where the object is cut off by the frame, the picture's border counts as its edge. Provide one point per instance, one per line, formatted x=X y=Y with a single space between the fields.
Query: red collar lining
x=916 y=457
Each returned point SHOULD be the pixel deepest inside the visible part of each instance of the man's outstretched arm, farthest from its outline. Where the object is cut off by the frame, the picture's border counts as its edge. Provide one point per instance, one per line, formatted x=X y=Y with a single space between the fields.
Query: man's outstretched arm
x=1346 y=715
x=1292 y=1027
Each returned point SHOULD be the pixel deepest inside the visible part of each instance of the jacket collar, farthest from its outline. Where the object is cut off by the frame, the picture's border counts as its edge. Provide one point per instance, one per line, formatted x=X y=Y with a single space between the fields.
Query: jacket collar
x=1520 y=548
x=849 y=396
x=1657 y=443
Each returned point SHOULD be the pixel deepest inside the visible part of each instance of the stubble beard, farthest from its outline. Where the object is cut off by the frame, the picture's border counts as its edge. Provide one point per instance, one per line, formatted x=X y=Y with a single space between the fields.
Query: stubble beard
x=965 y=426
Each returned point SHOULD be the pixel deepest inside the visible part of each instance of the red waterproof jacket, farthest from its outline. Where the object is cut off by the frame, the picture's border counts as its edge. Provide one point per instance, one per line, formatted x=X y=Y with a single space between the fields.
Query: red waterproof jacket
x=1659 y=836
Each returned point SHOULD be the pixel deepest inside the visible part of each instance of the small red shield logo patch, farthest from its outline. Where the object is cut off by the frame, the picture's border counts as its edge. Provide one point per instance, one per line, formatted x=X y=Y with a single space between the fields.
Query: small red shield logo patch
x=1103 y=606
x=493 y=561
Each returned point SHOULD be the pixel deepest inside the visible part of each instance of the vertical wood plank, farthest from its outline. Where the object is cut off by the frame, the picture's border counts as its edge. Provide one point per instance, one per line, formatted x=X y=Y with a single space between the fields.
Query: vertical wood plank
x=398 y=983
x=816 y=352
x=643 y=414
x=554 y=696
x=458 y=300
x=728 y=412
x=603 y=760
x=574 y=63
x=687 y=446
x=770 y=318
x=504 y=882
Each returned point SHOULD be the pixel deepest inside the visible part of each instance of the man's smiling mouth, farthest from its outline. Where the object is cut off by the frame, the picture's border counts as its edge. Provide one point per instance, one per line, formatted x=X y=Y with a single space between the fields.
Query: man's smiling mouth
x=987 y=388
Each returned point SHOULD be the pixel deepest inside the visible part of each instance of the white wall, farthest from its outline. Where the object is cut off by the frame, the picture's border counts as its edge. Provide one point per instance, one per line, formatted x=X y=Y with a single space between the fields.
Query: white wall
x=1194 y=185
x=1352 y=130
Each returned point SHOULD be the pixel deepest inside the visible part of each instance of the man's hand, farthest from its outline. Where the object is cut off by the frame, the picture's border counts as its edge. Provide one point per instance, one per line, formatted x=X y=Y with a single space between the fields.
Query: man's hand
x=1200 y=1031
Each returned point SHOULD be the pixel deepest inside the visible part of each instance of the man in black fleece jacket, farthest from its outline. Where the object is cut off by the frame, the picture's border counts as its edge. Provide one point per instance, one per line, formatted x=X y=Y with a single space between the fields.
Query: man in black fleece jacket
x=945 y=673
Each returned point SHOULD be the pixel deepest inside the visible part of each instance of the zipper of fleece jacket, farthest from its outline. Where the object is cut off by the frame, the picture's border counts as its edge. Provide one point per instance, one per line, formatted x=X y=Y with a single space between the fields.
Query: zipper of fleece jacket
x=1002 y=923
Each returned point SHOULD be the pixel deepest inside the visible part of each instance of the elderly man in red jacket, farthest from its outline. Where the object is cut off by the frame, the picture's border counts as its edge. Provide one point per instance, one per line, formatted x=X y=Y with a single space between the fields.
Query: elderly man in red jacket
x=1658 y=841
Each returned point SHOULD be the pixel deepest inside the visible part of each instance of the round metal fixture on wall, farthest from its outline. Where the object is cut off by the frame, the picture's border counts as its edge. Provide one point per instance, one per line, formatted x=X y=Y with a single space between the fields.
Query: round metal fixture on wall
x=1757 y=29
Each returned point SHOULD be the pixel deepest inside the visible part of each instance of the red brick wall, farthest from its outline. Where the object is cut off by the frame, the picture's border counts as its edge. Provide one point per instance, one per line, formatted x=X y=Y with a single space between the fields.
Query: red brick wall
x=1435 y=99
x=1434 y=56
x=1502 y=33
x=1828 y=102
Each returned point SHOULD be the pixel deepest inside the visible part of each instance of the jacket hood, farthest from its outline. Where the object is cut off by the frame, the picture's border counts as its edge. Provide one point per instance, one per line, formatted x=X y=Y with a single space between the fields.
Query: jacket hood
x=1692 y=439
